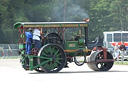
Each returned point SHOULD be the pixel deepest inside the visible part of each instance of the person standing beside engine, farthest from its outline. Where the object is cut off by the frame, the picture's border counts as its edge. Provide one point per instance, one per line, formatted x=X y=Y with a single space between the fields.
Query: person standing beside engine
x=29 y=37
x=122 y=51
x=116 y=52
x=37 y=38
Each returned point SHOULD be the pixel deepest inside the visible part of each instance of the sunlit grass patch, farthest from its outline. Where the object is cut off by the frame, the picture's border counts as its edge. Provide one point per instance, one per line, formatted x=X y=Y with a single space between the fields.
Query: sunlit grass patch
x=119 y=63
x=10 y=57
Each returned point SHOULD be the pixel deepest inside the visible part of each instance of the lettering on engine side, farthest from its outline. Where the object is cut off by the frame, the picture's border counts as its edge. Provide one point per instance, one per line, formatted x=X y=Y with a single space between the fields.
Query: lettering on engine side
x=72 y=45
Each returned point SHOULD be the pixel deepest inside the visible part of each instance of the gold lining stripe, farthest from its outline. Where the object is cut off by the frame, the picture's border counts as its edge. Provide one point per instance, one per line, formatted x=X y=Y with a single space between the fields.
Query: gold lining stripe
x=85 y=50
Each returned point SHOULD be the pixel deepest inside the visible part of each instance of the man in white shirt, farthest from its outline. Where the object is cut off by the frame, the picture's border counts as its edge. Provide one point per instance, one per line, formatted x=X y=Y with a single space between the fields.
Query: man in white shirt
x=37 y=38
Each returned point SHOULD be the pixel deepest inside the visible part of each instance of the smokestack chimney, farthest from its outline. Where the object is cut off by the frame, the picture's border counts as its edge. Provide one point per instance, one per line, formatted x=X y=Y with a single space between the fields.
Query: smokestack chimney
x=86 y=20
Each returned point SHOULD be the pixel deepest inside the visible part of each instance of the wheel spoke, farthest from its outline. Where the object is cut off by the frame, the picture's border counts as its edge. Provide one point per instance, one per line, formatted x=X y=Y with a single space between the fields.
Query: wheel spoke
x=43 y=53
x=56 y=52
x=45 y=65
x=45 y=58
x=59 y=59
x=53 y=50
x=57 y=62
x=44 y=62
x=50 y=50
x=52 y=66
x=48 y=67
x=46 y=50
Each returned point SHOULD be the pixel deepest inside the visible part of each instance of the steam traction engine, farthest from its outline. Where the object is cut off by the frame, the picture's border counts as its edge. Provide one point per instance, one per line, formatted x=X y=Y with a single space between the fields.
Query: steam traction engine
x=56 y=51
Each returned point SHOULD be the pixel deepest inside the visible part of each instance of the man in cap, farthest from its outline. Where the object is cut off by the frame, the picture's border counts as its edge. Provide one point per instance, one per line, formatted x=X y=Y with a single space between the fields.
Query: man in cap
x=29 y=40
x=122 y=51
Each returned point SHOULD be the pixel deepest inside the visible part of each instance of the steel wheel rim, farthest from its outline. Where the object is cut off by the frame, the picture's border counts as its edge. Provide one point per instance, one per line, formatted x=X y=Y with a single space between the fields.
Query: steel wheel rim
x=100 y=66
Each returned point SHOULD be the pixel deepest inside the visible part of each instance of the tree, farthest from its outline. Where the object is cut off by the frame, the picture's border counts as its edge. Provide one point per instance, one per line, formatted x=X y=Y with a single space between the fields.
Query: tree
x=99 y=11
x=104 y=15
x=119 y=11
x=12 y=11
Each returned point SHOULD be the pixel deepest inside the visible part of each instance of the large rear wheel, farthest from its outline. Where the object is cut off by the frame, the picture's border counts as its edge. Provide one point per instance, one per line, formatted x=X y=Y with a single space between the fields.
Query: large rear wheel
x=51 y=58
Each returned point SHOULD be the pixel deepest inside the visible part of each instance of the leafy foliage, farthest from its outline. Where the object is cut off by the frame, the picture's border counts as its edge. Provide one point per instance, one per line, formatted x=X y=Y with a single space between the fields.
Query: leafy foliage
x=105 y=15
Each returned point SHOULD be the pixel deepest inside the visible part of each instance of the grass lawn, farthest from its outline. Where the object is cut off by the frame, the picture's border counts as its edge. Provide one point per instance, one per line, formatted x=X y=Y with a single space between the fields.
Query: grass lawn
x=119 y=63
x=13 y=57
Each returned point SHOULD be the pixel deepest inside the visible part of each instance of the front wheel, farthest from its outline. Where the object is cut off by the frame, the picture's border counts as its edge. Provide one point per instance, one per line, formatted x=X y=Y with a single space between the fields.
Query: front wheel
x=51 y=58
x=99 y=66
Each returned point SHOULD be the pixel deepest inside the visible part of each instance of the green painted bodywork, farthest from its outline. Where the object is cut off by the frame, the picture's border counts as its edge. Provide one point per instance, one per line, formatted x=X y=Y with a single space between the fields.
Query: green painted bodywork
x=73 y=45
x=21 y=46
x=33 y=64
x=69 y=45
x=33 y=61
